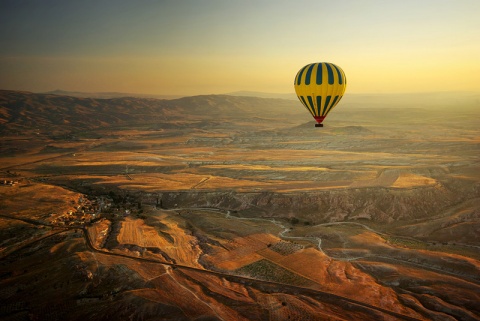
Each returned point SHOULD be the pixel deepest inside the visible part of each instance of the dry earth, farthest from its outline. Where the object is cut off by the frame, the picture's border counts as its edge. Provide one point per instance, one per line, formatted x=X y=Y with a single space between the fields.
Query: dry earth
x=233 y=211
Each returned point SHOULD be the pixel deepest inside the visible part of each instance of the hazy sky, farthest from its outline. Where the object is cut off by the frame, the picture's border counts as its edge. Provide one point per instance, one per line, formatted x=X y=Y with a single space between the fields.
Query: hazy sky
x=190 y=47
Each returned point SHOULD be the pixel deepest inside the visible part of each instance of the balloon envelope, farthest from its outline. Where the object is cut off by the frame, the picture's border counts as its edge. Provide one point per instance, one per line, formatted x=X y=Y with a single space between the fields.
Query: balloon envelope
x=319 y=87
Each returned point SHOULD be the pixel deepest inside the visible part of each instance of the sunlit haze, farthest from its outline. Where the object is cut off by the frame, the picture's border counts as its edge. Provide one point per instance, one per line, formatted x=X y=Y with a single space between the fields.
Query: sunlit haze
x=216 y=46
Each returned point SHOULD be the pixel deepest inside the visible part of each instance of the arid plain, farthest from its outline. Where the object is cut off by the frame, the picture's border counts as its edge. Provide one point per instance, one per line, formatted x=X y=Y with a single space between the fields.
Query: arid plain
x=237 y=208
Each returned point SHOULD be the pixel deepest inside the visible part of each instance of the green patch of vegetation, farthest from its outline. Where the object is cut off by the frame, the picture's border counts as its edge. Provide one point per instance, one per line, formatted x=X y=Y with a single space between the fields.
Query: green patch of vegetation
x=269 y=271
x=445 y=247
x=286 y=248
x=406 y=242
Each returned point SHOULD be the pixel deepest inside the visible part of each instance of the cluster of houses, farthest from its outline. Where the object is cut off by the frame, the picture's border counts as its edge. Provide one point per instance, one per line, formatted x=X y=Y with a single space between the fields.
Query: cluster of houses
x=87 y=210
x=84 y=211
x=8 y=182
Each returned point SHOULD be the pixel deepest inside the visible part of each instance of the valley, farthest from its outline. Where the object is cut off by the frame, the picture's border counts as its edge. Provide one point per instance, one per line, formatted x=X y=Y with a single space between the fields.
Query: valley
x=237 y=208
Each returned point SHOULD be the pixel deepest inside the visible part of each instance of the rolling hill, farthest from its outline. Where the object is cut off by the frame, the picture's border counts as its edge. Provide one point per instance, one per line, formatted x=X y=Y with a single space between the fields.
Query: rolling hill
x=24 y=111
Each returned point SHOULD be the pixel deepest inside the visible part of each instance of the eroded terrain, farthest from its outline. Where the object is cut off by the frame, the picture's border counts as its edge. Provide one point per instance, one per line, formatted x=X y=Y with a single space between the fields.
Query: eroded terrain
x=374 y=216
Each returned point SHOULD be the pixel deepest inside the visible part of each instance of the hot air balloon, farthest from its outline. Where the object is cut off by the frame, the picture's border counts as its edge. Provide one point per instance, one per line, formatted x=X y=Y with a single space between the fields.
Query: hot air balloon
x=319 y=87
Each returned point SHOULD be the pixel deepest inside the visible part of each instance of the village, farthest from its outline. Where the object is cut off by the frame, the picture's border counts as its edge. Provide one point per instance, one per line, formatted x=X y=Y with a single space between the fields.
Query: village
x=7 y=182
x=89 y=209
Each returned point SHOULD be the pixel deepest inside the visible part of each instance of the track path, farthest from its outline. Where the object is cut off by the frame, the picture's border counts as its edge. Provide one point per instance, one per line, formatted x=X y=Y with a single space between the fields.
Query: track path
x=330 y=297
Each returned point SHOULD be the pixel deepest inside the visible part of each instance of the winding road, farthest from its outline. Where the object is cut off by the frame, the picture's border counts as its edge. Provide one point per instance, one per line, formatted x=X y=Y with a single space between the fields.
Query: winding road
x=235 y=278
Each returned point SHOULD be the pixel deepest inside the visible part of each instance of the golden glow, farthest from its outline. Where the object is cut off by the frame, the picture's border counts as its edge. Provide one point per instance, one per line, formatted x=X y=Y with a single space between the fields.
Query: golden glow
x=206 y=47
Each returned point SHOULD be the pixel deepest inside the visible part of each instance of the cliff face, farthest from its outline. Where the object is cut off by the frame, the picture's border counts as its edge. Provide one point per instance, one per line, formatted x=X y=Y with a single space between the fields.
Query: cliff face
x=380 y=205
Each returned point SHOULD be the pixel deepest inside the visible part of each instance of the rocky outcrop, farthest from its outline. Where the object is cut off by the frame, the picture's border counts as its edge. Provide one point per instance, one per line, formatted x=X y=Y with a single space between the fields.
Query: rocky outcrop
x=376 y=204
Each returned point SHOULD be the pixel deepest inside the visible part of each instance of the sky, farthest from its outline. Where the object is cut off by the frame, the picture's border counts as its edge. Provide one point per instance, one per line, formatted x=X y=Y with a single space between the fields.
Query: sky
x=192 y=47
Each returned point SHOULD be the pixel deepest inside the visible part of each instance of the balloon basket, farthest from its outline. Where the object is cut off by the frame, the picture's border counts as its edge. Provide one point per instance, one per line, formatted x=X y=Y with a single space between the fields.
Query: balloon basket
x=318 y=125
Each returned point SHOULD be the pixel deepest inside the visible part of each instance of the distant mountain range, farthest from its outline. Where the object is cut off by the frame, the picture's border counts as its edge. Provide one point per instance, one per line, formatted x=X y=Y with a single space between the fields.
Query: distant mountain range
x=56 y=112
x=409 y=100
x=107 y=95
x=291 y=96
x=404 y=100
x=24 y=111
